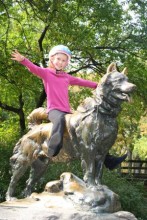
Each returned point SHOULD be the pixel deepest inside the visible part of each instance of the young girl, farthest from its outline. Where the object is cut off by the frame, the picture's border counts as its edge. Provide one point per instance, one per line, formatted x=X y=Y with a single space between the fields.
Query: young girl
x=56 y=83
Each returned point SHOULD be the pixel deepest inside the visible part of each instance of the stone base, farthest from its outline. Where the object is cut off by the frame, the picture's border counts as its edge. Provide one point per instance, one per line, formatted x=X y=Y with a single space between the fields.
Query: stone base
x=41 y=210
x=67 y=199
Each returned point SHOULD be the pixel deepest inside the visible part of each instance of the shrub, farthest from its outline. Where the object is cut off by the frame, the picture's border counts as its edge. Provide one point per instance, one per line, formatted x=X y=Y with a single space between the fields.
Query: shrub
x=5 y=154
x=131 y=193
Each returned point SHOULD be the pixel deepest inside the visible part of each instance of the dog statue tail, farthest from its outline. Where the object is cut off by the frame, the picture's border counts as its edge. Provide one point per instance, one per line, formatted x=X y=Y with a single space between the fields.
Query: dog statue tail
x=36 y=117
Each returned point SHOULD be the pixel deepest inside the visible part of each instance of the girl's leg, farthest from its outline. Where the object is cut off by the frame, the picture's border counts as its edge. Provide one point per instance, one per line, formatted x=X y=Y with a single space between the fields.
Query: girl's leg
x=56 y=140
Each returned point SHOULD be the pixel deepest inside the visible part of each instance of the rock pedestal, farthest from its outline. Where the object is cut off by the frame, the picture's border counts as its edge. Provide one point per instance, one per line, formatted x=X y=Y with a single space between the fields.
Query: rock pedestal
x=67 y=199
x=53 y=209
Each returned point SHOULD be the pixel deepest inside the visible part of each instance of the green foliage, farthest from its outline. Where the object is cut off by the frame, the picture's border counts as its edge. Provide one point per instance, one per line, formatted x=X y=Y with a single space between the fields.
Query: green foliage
x=128 y=120
x=140 y=148
x=131 y=194
x=9 y=128
x=96 y=32
x=5 y=153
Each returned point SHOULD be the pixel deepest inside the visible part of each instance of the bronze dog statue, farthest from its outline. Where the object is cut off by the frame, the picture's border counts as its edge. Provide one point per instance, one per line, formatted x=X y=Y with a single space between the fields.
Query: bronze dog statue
x=90 y=133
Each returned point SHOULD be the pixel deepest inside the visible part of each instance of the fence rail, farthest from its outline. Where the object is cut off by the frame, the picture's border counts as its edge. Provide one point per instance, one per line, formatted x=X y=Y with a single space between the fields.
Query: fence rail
x=134 y=169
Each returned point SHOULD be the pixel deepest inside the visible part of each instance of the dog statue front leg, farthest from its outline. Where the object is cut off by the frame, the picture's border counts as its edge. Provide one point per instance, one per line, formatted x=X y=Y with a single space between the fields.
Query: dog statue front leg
x=88 y=167
x=18 y=172
x=19 y=164
x=11 y=190
x=99 y=169
x=38 y=168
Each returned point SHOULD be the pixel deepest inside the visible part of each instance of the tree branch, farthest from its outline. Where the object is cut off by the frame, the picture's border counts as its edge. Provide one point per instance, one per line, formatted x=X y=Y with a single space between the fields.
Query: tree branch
x=9 y=108
x=42 y=37
x=18 y=111
x=41 y=99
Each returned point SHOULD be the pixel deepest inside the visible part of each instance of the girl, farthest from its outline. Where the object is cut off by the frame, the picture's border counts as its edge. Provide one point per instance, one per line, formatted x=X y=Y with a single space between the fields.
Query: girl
x=56 y=83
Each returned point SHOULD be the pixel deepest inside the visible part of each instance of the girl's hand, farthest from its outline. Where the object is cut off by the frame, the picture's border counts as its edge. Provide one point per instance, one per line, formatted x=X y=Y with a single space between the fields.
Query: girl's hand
x=17 y=56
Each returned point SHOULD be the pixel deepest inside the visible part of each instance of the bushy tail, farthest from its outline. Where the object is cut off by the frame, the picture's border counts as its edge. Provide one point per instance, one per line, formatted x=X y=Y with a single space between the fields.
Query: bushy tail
x=36 y=117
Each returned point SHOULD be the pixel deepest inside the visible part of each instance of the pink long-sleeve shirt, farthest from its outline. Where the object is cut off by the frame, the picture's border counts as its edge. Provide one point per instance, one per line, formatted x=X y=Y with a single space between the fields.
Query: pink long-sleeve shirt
x=56 y=85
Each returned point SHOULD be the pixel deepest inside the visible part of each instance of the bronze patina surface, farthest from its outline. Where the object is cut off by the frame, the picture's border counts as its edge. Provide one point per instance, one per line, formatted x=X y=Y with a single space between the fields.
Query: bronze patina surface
x=90 y=133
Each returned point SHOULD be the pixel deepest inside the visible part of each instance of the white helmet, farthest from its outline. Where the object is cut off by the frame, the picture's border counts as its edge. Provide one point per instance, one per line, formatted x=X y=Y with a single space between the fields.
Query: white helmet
x=60 y=49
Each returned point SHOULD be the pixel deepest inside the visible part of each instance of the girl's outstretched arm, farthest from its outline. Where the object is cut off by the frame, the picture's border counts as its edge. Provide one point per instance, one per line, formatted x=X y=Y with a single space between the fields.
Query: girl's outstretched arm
x=17 y=56
x=39 y=71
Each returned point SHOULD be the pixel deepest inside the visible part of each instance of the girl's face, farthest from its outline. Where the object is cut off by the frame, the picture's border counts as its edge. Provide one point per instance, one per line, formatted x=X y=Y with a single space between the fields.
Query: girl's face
x=59 y=61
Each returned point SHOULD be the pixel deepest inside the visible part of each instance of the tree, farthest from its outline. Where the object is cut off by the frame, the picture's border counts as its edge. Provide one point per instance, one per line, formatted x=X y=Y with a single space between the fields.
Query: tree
x=98 y=32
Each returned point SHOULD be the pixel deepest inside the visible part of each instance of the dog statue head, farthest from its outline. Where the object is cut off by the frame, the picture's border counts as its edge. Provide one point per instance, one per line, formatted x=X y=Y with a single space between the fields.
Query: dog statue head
x=114 y=87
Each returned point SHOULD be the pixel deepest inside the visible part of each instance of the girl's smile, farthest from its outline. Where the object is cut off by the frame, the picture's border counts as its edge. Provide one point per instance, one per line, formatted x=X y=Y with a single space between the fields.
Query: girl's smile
x=59 y=61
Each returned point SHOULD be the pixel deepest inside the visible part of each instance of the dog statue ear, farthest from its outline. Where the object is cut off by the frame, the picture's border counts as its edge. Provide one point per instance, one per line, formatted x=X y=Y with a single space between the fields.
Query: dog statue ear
x=125 y=71
x=111 y=68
